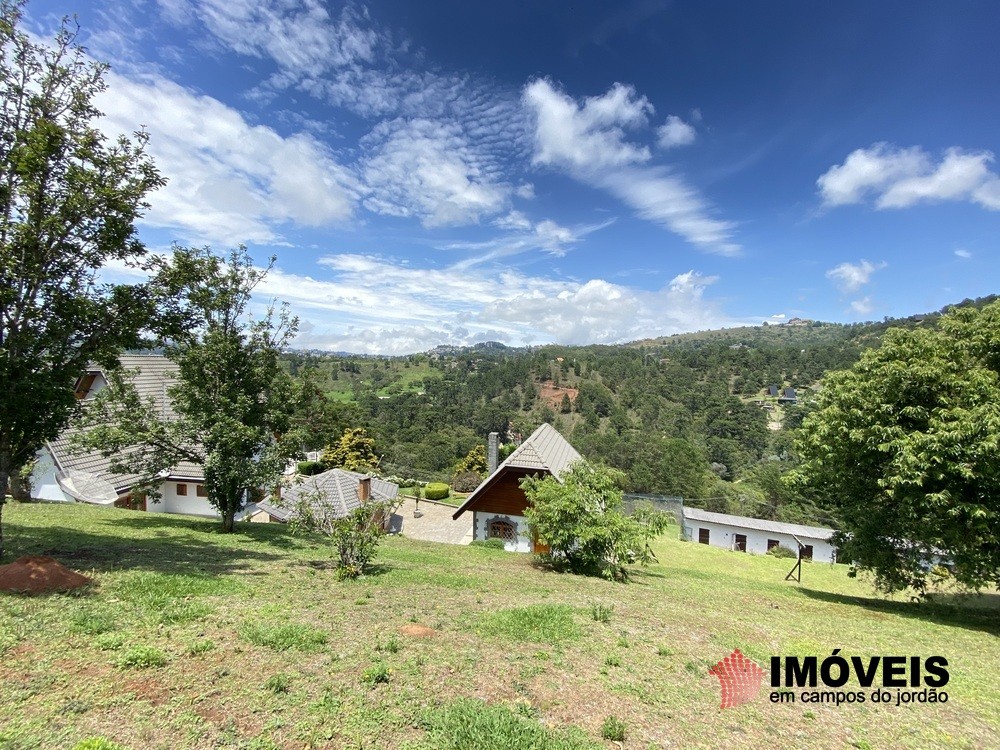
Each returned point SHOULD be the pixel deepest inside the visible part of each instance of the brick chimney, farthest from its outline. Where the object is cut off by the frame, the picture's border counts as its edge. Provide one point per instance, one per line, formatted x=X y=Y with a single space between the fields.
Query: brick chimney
x=492 y=452
x=364 y=489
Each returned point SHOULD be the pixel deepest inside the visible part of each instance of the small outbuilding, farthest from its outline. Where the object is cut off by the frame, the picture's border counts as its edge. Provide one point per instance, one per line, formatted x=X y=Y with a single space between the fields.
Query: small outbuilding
x=335 y=493
x=497 y=505
x=742 y=534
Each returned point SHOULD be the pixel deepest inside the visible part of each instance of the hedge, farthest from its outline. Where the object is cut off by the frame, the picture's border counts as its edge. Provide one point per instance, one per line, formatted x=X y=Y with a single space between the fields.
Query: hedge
x=436 y=491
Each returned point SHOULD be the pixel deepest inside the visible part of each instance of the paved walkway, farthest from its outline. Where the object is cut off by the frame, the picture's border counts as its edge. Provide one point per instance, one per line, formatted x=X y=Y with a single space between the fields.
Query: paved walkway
x=434 y=525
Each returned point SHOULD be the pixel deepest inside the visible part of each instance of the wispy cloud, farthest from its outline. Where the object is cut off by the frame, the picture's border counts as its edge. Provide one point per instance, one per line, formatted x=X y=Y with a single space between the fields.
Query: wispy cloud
x=963 y=253
x=675 y=132
x=892 y=177
x=849 y=277
x=588 y=140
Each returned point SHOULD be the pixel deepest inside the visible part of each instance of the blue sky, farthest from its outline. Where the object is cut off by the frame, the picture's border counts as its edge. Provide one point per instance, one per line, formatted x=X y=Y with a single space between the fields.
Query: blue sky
x=586 y=172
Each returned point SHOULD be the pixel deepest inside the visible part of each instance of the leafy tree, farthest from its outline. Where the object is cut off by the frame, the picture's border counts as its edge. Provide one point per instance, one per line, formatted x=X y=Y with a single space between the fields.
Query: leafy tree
x=474 y=461
x=582 y=520
x=69 y=199
x=355 y=536
x=565 y=406
x=907 y=442
x=232 y=399
x=319 y=419
x=354 y=451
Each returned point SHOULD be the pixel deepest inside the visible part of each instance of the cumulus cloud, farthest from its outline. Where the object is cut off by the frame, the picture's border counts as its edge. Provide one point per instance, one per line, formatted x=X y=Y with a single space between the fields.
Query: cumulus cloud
x=675 y=132
x=892 y=177
x=863 y=306
x=228 y=181
x=589 y=141
x=850 y=277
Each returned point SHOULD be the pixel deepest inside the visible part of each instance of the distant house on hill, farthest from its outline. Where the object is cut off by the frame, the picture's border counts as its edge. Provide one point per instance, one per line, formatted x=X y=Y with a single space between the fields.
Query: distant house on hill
x=772 y=391
x=62 y=475
x=338 y=490
x=788 y=396
x=497 y=505
x=742 y=534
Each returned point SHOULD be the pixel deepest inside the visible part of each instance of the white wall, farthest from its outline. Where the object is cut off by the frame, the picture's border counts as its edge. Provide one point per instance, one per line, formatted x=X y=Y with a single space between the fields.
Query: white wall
x=190 y=504
x=480 y=520
x=722 y=535
x=43 y=479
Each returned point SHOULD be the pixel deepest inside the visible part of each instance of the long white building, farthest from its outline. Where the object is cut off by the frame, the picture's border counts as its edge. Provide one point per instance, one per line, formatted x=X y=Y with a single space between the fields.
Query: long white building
x=755 y=535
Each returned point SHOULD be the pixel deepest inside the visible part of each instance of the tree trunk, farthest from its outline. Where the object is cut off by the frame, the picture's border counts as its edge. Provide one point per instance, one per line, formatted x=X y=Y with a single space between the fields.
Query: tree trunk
x=19 y=489
x=4 y=480
x=228 y=521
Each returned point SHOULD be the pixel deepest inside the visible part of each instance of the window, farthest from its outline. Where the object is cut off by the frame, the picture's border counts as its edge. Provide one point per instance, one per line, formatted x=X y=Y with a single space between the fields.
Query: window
x=497 y=529
x=772 y=543
x=740 y=542
x=703 y=535
x=182 y=490
x=200 y=491
x=807 y=552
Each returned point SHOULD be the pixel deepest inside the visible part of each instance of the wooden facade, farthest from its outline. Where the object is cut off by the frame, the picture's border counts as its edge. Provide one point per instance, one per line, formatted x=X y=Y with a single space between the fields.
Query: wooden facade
x=504 y=493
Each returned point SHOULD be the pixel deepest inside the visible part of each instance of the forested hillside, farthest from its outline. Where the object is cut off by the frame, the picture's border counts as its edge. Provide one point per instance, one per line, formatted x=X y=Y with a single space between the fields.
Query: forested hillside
x=687 y=415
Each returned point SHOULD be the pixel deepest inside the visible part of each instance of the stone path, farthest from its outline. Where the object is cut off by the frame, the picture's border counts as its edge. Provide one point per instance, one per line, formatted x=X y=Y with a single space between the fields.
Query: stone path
x=434 y=525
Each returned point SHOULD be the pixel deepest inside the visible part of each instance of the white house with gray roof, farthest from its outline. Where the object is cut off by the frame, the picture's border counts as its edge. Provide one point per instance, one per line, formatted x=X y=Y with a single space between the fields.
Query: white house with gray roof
x=337 y=490
x=756 y=535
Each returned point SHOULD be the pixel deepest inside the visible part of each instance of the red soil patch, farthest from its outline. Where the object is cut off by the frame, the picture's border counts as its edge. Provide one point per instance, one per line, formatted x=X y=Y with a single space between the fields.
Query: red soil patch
x=37 y=574
x=553 y=394
x=418 y=631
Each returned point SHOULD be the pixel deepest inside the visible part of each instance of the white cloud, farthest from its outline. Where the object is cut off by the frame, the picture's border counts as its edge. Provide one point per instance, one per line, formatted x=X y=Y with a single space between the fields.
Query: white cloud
x=675 y=132
x=850 y=277
x=963 y=253
x=899 y=178
x=588 y=140
x=863 y=306
x=228 y=181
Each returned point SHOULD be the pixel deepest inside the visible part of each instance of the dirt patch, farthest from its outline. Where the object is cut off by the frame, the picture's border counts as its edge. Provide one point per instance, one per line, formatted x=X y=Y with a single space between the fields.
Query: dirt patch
x=553 y=394
x=418 y=631
x=37 y=574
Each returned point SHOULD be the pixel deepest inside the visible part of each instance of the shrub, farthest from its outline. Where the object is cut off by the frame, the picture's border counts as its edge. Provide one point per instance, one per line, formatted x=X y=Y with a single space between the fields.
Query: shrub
x=493 y=543
x=467 y=481
x=436 y=491
x=142 y=657
x=310 y=468
x=613 y=729
x=780 y=551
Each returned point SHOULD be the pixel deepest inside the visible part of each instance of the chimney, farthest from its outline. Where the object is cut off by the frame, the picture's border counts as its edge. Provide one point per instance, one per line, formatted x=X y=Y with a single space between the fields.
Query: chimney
x=492 y=452
x=364 y=489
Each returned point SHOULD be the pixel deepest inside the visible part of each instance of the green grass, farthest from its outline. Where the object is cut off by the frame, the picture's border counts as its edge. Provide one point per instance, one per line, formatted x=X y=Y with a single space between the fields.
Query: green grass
x=260 y=647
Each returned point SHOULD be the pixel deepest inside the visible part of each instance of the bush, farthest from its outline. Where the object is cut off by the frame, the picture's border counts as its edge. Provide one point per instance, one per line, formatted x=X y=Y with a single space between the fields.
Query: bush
x=467 y=481
x=436 y=491
x=493 y=543
x=780 y=551
x=310 y=468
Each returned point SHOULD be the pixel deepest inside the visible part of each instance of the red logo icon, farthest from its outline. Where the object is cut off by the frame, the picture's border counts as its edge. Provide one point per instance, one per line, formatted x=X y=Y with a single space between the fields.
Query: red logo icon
x=739 y=678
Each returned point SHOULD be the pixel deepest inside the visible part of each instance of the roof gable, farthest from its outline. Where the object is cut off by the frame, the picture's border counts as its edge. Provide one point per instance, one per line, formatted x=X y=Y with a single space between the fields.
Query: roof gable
x=336 y=487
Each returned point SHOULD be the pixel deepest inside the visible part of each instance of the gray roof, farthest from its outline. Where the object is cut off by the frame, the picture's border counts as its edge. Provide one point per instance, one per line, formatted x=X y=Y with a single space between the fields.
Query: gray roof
x=335 y=487
x=155 y=374
x=544 y=450
x=759 y=524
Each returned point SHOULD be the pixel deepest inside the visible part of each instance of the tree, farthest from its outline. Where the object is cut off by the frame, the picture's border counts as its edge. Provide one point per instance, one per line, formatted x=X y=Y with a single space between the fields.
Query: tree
x=232 y=400
x=354 y=451
x=69 y=199
x=581 y=519
x=474 y=461
x=355 y=536
x=907 y=443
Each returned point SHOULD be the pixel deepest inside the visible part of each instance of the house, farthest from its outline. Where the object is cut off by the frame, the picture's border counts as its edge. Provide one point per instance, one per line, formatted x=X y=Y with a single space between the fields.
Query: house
x=62 y=475
x=788 y=396
x=497 y=505
x=756 y=535
x=335 y=493
x=772 y=391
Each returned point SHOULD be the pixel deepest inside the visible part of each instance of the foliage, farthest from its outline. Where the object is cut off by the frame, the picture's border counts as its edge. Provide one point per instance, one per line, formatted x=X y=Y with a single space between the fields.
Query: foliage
x=310 y=468
x=466 y=481
x=376 y=674
x=69 y=199
x=355 y=536
x=436 y=491
x=353 y=451
x=907 y=442
x=474 y=462
x=582 y=520
x=493 y=543
x=97 y=743
x=142 y=657
x=231 y=397
x=601 y=612
x=613 y=729
x=782 y=552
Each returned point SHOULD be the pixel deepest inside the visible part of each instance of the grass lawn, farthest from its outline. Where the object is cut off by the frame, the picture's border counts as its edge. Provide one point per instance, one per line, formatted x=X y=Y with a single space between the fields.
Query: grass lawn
x=194 y=639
